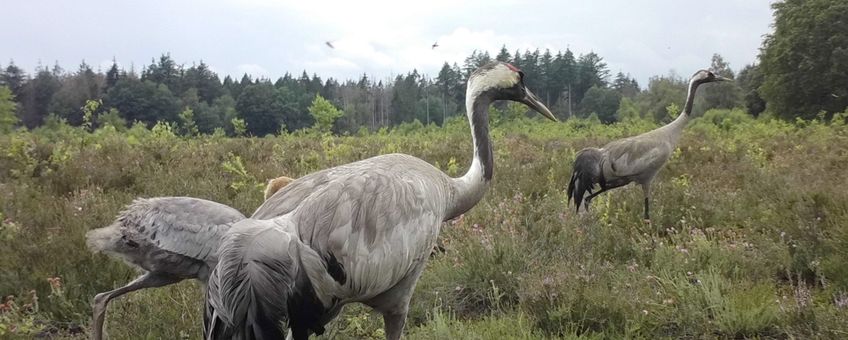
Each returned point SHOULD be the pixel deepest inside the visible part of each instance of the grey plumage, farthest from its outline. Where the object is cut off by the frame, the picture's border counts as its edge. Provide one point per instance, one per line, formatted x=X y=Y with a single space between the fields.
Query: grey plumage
x=635 y=159
x=257 y=256
x=587 y=172
x=169 y=238
x=359 y=232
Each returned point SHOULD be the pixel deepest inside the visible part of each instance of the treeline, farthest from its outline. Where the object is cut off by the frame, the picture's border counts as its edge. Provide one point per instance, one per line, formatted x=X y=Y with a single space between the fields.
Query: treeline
x=171 y=92
x=802 y=73
x=165 y=90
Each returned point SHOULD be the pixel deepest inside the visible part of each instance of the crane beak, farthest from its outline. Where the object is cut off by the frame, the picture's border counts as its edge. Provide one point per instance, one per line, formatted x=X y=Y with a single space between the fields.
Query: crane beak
x=720 y=78
x=534 y=103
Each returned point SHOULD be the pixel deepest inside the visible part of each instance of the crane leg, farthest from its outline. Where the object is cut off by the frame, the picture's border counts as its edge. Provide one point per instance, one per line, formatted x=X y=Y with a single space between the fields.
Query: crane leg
x=394 y=325
x=394 y=303
x=589 y=198
x=646 y=190
x=148 y=280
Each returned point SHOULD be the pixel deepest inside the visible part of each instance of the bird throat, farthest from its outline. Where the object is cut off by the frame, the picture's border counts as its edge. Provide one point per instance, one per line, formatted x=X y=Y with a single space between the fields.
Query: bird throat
x=479 y=121
x=470 y=188
x=690 y=98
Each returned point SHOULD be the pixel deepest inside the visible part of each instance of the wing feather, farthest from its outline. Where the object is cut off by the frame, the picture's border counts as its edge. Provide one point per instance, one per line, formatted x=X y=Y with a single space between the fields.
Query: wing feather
x=186 y=226
x=374 y=217
x=633 y=156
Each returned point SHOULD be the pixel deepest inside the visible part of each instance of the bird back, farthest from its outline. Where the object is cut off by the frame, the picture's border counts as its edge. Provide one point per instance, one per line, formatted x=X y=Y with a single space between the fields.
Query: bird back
x=148 y=233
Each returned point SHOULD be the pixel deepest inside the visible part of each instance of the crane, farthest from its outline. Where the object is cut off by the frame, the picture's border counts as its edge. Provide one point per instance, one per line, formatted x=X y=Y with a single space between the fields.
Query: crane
x=170 y=238
x=635 y=159
x=359 y=232
x=276 y=184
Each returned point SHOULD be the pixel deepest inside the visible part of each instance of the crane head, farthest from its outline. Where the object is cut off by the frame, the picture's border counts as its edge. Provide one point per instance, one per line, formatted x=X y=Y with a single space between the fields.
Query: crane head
x=503 y=81
x=707 y=76
x=276 y=184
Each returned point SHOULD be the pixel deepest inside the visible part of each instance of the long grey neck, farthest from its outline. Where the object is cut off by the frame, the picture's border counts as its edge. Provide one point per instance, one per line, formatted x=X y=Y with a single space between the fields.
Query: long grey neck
x=680 y=122
x=470 y=188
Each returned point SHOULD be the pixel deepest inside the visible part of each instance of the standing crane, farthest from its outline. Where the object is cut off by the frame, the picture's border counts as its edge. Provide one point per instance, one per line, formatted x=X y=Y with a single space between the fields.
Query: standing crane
x=170 y=238
x=359 y=232
x=635 y=159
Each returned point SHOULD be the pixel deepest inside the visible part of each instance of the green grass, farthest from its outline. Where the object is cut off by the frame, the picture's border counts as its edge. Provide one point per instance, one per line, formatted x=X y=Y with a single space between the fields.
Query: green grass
x=749 y=238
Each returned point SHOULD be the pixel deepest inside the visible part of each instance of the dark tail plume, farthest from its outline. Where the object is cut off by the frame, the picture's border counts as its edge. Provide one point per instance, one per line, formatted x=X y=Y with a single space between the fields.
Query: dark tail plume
x=248 y=292
x=585 y=174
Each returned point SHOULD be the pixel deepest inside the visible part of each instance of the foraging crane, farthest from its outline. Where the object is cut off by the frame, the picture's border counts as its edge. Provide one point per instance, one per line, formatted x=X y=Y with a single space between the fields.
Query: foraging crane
x=171 y=238
x=634 y=159
x=359 y=232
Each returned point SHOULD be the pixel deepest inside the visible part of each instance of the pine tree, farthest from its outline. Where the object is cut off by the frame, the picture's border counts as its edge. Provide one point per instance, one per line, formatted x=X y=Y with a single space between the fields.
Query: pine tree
x=625 y=85
x=14 y=78
x=112 y=75
x=504 y=55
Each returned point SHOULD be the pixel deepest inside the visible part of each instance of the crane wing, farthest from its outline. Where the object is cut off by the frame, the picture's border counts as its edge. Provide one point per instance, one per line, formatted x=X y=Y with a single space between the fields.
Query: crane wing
x=368 y=221
x=187 y=226
x=634 y=156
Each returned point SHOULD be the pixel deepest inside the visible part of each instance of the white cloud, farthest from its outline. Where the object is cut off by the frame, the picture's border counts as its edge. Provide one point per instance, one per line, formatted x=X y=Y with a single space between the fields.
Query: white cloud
x=385 y=37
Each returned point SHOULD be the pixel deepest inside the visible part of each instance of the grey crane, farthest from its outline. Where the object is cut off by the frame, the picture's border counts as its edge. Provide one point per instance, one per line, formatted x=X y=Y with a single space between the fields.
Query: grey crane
x=635 y=159
x=276 y=184
x=359 y=232
x=170 y=238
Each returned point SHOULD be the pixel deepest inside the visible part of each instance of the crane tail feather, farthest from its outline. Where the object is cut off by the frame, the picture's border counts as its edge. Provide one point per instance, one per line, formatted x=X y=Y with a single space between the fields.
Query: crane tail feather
x=247 y=294
x=585 y=174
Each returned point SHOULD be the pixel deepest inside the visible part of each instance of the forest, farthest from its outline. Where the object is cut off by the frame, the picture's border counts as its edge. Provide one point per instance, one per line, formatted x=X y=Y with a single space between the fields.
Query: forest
x=748 y=238
x=165 y=91
x=795 y=80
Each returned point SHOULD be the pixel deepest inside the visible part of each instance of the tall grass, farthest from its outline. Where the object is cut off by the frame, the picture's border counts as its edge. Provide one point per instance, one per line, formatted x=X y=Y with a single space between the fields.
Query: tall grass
x=749 y=238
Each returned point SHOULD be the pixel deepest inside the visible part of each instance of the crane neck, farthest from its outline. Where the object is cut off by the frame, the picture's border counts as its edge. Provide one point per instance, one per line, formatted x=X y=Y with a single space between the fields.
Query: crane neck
x=681 y=120
x=470 y=188
x=690 y=98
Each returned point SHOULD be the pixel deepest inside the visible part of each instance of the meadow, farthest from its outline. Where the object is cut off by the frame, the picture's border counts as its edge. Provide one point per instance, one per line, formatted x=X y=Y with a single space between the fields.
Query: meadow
x=749 y=238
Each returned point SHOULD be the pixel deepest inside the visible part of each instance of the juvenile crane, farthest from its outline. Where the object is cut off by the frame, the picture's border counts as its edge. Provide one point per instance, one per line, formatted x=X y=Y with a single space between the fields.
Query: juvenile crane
x=634 y=159
x=170 y=238
x=359 y=232
x=276 y=184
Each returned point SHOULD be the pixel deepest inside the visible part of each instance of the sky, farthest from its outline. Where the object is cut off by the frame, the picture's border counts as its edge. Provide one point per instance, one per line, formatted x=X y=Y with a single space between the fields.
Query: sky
x=380 y=38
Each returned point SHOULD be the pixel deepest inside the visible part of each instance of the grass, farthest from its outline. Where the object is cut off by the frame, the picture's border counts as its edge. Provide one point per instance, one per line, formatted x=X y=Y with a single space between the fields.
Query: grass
x=749 y=238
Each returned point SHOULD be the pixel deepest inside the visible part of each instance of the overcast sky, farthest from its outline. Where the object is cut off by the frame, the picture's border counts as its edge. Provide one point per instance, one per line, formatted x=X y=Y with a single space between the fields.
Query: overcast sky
x=380 y=38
